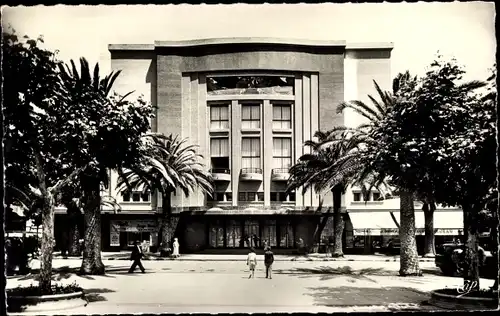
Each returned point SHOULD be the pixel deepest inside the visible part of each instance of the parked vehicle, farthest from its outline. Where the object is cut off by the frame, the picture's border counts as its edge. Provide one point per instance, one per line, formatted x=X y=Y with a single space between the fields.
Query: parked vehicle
x=450 y=258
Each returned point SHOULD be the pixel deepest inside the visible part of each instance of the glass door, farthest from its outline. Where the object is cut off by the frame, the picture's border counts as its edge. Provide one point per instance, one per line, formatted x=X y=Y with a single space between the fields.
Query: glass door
x=286 y=235
x=252 y=234
x=233 y=234
x=269 y=233
x=216 y=234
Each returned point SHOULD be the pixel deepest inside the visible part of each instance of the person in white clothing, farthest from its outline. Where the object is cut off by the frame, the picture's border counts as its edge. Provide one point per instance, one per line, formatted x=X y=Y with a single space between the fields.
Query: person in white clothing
x=175 y=252
x=252 y=262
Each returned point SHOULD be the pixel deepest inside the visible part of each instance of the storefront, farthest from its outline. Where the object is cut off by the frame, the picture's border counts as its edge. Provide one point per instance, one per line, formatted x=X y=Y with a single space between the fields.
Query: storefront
x=373 y=231
x=121 y=232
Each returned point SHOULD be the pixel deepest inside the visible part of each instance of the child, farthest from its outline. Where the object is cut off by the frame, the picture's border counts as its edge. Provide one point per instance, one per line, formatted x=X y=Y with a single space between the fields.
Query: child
x=252 y=262
x=268 y=261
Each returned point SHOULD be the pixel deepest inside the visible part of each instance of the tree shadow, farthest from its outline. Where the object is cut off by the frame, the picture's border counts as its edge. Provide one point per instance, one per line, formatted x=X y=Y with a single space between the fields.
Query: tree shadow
x=65 y=272
x=365 y=296
x=58 y=274
x=328 y=273
x=93 y=294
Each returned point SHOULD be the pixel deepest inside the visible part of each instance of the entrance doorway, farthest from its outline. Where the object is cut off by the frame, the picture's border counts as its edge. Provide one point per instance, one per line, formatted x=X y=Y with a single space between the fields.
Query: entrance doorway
x=252 y=233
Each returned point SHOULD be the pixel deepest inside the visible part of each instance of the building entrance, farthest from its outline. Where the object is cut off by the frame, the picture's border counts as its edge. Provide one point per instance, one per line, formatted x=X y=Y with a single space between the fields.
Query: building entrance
x=252 y=234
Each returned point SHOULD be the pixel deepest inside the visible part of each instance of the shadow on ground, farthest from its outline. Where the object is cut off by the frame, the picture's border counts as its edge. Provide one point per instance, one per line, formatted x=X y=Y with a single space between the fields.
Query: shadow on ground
x=355 y=296
x=328 y=273
x=93 y=295
x=63 y=273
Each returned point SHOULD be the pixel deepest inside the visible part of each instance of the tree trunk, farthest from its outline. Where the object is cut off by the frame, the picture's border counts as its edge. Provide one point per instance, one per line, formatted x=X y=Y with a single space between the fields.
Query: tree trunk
x=47 y=246
x=74 y=231
x=471 y=273
x=92 y=263
x=168 y=224
x=409 y=264
x=320 y=225
x=338 y=224
x=430 y=249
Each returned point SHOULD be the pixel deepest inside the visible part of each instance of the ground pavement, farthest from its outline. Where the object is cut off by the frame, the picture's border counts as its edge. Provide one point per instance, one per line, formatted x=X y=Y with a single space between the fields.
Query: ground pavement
x=223 y=286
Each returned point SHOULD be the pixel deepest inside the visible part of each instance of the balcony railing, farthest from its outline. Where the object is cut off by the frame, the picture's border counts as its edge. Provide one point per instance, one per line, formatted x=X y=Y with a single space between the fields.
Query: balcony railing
x=221 y=174
x=251 y=170
x=280 y=174
x=281 y=170
x=221 y=170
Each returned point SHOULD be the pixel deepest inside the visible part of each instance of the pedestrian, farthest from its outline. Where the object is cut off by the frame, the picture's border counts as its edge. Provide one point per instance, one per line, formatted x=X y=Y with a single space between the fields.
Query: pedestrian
x=300 y=247
x=252 y=262
x=136 y=255
x=175 y=252
x=268 y=261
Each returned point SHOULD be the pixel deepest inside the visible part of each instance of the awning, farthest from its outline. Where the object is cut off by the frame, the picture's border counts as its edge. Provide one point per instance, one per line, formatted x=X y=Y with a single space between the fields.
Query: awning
x=381 y=223
x=373 y=223
x=445 y=222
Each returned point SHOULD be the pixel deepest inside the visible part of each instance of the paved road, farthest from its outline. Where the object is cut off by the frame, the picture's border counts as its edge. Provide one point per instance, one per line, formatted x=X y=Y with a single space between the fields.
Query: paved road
x=172 y=287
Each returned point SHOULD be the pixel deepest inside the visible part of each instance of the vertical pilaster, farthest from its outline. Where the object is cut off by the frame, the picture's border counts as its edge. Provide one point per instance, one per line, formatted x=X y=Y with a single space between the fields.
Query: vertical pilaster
x=267 y=153
x=298 y=128
x=314 y=120
x=306 y=125
x=235 y=142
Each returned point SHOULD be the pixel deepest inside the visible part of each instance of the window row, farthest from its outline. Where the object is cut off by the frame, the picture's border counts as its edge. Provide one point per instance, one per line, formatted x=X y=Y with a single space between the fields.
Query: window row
x=251 y=152
x=250 y=116
x=374 y=196
x=252 y=197
x=135 y=196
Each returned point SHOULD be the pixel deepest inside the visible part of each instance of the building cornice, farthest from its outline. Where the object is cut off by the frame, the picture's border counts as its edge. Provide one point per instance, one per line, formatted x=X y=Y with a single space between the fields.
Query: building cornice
x=227 y=41
x=131 y=47
x=370 y=46
x=250 y=40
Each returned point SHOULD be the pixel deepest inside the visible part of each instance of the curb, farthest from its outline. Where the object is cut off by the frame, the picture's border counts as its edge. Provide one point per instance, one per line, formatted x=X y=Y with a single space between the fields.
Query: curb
x=244 y=259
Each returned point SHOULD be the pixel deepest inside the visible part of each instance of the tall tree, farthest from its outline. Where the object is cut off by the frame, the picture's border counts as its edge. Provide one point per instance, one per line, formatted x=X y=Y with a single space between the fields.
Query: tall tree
x=444 y=144
x=35 y=105
x=109 y=129
x=169 y=164
x=314 y=171
x=379 y=157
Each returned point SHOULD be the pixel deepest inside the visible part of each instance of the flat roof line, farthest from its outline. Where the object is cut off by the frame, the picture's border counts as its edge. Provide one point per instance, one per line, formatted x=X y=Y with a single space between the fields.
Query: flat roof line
x=370 y=45
x=252 y=40
x=143 y=47
x=248 y=40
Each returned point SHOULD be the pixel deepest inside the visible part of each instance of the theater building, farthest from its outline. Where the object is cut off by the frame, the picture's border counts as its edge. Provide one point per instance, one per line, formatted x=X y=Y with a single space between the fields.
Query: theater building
x=249 y=104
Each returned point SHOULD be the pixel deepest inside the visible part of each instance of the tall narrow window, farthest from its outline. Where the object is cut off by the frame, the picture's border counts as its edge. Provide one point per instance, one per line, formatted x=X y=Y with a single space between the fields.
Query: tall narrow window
x=219 y=154
x=219 y=117
x=282 y=116
x=250 y=116
x=282 y=153
x=250 y=155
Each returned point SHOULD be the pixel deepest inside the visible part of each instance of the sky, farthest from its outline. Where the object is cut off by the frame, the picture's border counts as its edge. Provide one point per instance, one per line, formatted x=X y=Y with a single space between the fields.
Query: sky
x=464 y=30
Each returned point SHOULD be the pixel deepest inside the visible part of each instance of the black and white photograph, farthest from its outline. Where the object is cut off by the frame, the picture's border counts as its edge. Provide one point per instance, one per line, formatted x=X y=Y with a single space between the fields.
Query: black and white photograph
x=250 y=158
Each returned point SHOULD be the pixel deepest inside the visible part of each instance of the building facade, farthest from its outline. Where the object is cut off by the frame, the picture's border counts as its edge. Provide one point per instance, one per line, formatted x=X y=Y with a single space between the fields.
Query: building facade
x=249 y=104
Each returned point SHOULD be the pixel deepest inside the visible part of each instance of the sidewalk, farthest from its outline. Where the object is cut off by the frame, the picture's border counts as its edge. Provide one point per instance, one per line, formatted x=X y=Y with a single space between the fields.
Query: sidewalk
x=125 y=255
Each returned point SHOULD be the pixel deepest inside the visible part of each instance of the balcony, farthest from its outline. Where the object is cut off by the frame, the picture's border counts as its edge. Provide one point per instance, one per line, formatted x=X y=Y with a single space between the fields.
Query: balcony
x=280 y=174
x=251 y=174
x=221 y=174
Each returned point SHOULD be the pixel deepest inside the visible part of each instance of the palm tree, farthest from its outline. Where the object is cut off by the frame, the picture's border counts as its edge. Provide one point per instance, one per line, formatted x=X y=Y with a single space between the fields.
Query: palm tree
x=81 y=84
x=376 y=114
x=309 y=172
x=169 y=165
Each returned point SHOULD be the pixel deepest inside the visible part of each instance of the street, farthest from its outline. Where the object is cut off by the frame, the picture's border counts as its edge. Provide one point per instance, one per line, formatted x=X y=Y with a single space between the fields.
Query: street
x=223 y=286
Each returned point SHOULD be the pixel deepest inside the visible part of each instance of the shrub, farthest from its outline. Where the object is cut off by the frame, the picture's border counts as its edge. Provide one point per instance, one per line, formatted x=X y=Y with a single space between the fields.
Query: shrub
x=34 y=290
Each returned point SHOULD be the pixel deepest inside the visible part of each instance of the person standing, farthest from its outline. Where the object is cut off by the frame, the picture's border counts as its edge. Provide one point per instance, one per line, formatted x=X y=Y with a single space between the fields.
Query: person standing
x=175 y=246
x=252 y=262
x=136 y=255
x=268 y=261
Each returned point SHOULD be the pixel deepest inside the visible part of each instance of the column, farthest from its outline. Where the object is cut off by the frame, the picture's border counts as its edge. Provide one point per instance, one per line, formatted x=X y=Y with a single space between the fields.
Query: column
x=235 y=141
x=267 y=139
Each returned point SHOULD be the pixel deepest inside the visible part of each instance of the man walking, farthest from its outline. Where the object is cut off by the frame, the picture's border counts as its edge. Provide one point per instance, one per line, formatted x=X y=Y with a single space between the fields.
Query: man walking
x=136 y=256
x=268 y=261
